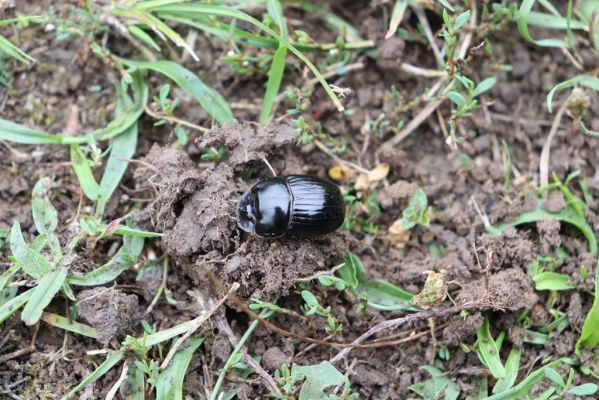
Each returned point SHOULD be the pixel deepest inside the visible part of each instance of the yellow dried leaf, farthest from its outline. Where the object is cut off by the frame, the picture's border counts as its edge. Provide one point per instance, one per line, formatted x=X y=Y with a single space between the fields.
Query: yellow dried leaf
x=433 y=292
x=379 y=173
x=340 y=173
x=362 y=183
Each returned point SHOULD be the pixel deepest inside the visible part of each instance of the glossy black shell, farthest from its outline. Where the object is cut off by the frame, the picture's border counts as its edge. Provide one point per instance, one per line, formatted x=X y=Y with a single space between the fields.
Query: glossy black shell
x=298 y=205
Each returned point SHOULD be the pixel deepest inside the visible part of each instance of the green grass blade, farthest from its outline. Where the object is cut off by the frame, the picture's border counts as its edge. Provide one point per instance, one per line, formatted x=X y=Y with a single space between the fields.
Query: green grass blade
x=7 y=276
x=140 y=34
x=16 y=133
x=588 y=81
x=275 y=76
x=523 y=389
x=63 y=323
x=122 y=260
x=133 y=387
x=32 y=262
x=169 y=384
x=133 y=232
x=275 y=10
x=511 y=371
x=523 y=20
x=489 y=351
x=399 y=9
x=123 y=149
x=197 y=8
x=42 y=295
x=209 y=99
x=97 y=374
x=8 y=48
x=13 y=132
x=12 y=306
x=84 y=173
x=334 y=21
x=589 y=337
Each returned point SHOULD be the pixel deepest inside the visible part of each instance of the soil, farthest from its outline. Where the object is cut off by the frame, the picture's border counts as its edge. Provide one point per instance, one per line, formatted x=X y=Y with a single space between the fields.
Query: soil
x=171 y=190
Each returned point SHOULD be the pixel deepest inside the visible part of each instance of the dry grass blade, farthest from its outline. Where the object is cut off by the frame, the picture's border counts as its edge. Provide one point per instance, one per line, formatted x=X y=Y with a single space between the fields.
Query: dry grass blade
x=545 y=153
x=195 y=324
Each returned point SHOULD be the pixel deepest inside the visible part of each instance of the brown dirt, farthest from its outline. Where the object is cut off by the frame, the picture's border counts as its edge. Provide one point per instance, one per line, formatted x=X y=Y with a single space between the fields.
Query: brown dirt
x=192 y=203
x=111 y=312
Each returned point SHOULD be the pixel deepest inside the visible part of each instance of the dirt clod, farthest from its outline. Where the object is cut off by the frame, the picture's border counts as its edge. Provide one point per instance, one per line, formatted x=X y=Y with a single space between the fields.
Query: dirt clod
x=509 y=289
x=111 y=312
x=248 y=143
x=274 y=357
x=395 y=194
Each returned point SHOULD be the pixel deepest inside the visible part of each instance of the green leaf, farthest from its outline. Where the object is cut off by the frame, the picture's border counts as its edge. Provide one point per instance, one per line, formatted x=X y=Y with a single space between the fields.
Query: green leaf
x=555 y=377
x=275 y=76
x=435 y=387
x=457 y=98
x=399 y=10
x=446 y=4
x=484 y=86
x=589 y=81
x=552 y=281
x=42 y=295
x=12 y=306
x=123 y=149
x=97 y=374
x=64 y=323
x=317 y=378
x=378 y=293
x=489 y=351
x=33 y=263
x=169 y=384
x=511 y=371
x=567 y=215
x=84 y=173
x=586 y=389
x=208 y=98
x=45 y=216
x=133 y=387
x=13 y=132
x=461 y=20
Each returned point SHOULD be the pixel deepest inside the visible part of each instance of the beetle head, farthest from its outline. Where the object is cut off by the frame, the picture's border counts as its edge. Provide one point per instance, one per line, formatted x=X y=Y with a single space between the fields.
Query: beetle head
x=244 y=211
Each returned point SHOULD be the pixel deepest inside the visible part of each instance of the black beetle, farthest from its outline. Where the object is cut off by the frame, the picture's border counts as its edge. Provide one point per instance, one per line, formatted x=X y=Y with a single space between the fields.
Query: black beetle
x=298 y=205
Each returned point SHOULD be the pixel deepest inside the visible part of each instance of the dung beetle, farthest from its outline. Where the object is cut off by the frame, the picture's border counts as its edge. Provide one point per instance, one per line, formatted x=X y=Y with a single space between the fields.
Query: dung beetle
x=298 y=205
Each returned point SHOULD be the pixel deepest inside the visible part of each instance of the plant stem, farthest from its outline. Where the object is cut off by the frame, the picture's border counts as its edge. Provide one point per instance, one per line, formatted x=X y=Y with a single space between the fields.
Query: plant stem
x=237 y=350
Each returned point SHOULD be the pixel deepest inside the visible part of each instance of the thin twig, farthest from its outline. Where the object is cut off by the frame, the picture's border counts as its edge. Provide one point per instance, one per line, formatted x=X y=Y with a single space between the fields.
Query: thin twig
x=429 y=34
x=110 y=395
x=195 y=324
x=545 y=153
x=320 y=273
x=272 y=170
x=268 y=380
x=397 y=322
x=337 y=159
x=231 y=360
x=173 y=120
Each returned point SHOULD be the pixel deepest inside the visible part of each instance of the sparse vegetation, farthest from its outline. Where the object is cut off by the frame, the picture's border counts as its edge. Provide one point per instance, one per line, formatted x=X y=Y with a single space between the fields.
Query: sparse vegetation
x=466 y=267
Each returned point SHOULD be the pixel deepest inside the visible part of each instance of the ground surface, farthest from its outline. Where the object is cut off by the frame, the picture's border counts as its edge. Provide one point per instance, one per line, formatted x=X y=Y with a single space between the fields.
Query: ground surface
x=192 y=201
